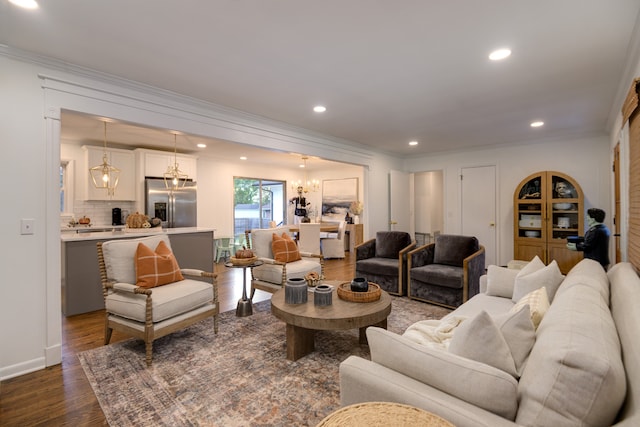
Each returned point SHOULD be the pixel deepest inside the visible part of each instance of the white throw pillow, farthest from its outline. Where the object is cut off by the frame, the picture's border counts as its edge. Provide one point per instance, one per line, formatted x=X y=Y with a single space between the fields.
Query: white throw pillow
x=538 y=303
x=534 y=265
x=528 y=281
x=520 y=334
x=500 y=281
x=480 y=339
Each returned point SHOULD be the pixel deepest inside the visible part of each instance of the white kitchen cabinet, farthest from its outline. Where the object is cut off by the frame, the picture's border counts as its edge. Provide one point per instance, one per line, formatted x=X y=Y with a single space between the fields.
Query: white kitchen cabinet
x=156 y=163
x=121 y=159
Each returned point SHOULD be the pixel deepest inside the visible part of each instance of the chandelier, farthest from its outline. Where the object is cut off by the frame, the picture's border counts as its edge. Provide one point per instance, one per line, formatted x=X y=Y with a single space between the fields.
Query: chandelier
x=174 y=178
x=105 y=175
x=307 y=186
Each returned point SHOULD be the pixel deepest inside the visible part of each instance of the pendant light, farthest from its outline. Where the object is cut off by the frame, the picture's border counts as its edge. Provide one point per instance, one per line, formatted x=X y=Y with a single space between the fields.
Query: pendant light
x=174 y=178
x=307 y=186
x=105 y=175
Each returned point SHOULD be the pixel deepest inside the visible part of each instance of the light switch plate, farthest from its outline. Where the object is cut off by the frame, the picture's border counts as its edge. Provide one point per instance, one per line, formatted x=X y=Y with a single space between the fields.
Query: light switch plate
x=27 y=225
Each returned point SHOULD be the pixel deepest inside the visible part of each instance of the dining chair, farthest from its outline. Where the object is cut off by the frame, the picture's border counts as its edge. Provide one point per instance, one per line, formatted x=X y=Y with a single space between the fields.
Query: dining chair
x=309 y=237
x=333 y=247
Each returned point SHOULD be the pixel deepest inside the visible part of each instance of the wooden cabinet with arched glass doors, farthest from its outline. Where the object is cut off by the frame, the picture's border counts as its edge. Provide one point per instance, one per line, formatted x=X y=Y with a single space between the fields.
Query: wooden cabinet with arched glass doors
x=548 y=207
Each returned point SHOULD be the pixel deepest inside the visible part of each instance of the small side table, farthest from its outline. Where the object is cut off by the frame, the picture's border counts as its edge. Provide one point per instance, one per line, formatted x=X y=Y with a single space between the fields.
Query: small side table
x=244 y=307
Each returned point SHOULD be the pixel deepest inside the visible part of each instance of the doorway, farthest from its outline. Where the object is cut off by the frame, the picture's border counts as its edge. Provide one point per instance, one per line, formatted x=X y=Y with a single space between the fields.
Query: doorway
x=478 y=207
x=256 y=203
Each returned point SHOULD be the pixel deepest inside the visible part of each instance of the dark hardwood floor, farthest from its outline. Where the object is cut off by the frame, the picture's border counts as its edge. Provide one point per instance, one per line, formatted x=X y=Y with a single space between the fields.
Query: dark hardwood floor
x=61 y=395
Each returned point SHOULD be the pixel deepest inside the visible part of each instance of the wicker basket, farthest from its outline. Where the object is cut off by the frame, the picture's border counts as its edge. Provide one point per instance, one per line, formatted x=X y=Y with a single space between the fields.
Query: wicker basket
x=382 y=414
x=345 y=293
x=242 y=261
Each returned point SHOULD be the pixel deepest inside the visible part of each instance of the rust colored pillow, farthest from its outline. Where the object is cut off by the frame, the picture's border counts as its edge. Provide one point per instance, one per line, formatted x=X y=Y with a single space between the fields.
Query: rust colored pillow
x=284 y=248
x=156 y=268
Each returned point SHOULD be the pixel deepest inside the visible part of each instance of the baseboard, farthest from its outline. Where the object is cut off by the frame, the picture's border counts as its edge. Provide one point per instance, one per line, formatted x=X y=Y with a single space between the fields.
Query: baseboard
x=22 y=368
x=53 y=355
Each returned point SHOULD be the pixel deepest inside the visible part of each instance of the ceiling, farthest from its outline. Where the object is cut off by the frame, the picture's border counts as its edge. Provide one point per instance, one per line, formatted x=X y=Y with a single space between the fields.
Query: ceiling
x=388 y=72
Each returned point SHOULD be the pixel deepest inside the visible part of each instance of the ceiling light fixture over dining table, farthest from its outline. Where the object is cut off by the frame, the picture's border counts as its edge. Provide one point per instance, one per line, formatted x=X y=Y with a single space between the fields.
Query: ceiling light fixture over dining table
x=306 y=184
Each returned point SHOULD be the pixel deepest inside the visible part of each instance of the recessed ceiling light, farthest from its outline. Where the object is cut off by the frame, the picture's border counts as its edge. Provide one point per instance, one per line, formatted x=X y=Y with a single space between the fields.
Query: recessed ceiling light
x=202 y=145
x=413 y=143
x=537 y=124
x=26 y=4
x=499 y=54
x=243 y=158
x=319 y=109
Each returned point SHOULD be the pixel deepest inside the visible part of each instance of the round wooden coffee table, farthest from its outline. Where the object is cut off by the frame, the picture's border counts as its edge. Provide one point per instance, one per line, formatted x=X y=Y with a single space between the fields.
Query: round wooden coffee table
x=303 y=320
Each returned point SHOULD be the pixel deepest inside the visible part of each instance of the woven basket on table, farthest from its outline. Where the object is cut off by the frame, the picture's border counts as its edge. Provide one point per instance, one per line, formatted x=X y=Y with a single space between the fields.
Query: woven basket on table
x=345 y=293
x=382 y=414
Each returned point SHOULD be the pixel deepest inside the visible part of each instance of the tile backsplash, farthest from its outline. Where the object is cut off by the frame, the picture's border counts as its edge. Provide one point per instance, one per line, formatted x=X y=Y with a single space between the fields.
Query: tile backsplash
x=98 y=211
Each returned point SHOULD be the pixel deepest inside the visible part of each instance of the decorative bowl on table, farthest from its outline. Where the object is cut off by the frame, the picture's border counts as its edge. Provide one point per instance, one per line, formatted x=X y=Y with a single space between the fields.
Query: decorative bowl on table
x=373 y=293
x=242 y=261
x=359 y=284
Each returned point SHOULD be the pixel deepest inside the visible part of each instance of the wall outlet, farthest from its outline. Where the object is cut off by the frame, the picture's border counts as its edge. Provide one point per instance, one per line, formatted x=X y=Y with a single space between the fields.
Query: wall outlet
x=27 y=225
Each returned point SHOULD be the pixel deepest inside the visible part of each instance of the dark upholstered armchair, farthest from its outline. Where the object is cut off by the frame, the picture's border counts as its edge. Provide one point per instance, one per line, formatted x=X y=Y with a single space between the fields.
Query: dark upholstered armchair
x=383 y=260
x=446 y=272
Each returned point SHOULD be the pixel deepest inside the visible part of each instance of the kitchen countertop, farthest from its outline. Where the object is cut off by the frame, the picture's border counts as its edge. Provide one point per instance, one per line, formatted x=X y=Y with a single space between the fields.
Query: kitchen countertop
x=81 y=228
x=122 y=234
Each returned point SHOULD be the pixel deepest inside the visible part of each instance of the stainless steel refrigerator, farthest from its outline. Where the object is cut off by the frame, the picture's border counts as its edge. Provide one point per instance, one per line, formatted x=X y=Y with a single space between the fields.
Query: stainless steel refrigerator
x=175 y=208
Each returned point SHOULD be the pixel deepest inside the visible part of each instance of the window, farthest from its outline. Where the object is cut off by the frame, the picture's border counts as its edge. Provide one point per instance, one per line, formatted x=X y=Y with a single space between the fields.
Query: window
x=256 y=203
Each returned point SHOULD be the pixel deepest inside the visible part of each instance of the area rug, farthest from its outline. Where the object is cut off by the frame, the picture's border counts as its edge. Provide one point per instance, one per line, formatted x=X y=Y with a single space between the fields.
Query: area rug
x=239 y=377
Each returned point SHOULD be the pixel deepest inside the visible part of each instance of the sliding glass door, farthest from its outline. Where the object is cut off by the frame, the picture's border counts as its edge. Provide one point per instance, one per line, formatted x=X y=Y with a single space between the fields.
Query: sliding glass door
x=256 y=203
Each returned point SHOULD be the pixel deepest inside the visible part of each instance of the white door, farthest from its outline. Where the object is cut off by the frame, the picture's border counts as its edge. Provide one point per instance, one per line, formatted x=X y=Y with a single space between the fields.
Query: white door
x=399 y=201
x=479 y=207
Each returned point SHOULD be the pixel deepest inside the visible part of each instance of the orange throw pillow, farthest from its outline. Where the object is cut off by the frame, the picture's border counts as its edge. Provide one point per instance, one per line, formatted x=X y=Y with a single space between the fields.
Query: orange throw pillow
x=156 y=268
x=284 y=248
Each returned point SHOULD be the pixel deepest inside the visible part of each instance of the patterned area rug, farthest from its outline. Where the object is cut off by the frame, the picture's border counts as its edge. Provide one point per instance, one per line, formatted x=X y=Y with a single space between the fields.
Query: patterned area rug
x=239 y=377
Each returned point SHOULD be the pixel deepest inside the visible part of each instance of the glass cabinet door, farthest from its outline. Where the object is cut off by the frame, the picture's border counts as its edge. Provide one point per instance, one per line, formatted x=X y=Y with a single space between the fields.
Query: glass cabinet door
x=548 y=208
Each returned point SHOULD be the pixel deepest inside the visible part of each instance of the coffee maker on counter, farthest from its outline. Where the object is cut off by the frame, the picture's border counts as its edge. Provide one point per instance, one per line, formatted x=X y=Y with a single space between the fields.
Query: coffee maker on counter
x=116 y=216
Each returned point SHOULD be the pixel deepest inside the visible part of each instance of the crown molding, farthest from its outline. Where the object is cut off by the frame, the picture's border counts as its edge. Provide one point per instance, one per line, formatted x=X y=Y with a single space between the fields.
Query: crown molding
x=59 y=73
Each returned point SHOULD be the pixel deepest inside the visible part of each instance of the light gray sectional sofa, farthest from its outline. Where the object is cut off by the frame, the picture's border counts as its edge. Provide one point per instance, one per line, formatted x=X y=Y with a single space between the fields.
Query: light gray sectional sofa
x=583 y=368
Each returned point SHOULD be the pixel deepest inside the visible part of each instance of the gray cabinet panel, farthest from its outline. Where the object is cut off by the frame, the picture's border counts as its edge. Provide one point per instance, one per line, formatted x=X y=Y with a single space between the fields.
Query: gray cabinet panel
x=81 y=285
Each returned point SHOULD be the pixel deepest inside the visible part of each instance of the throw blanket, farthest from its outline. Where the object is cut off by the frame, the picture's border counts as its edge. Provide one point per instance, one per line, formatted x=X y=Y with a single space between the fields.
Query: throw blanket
x=434 y=333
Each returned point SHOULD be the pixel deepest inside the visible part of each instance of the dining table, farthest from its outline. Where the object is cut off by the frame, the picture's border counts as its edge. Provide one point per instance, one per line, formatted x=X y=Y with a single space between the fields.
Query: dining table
x=329 y=227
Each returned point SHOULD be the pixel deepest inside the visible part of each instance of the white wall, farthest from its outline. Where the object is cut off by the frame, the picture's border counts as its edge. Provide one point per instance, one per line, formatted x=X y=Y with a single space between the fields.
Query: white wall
x=584 y=159
x=23 y=330
x=429 y=201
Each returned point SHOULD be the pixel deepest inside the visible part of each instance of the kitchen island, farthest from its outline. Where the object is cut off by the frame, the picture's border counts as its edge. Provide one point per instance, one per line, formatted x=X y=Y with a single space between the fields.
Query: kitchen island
x=81 y=284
